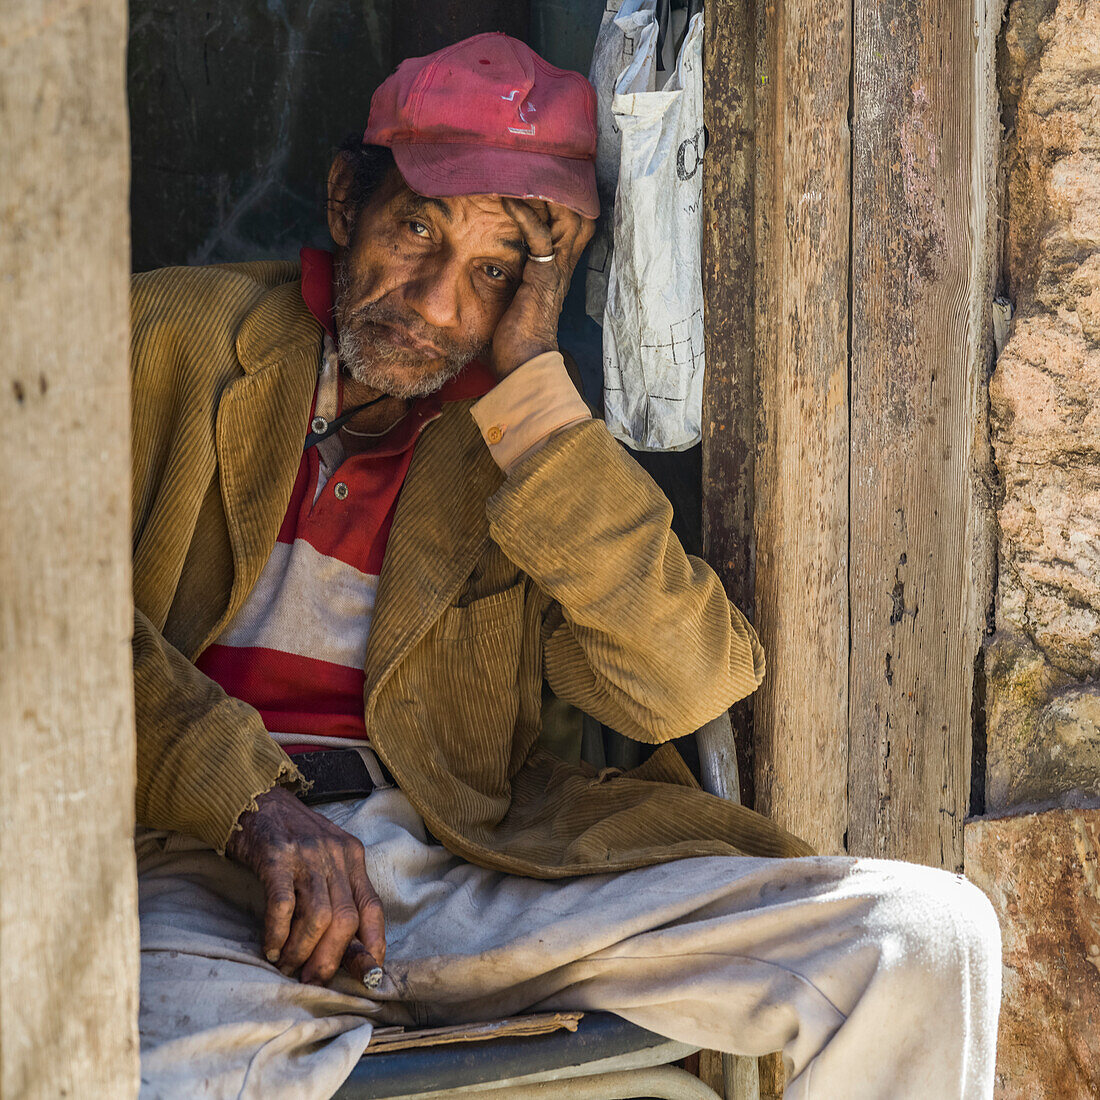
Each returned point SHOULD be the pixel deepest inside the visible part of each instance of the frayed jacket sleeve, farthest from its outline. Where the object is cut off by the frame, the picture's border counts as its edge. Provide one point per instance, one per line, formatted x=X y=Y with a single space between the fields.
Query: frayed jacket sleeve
x=202 y=756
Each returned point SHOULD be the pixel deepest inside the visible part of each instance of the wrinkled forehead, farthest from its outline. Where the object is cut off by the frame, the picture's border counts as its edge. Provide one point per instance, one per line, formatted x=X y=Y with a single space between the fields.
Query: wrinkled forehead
x=460 y=215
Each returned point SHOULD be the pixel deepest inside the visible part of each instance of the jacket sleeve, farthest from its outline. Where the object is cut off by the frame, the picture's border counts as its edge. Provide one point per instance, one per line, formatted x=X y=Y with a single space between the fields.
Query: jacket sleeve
x=637 y=633
x=202 y=756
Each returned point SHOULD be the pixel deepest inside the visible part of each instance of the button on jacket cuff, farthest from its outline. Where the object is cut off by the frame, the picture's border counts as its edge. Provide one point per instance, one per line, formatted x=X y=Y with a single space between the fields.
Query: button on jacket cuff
x=527 y=407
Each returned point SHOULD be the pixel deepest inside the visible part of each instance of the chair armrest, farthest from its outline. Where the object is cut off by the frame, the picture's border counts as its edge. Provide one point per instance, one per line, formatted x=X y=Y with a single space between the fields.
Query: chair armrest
x=718 y=759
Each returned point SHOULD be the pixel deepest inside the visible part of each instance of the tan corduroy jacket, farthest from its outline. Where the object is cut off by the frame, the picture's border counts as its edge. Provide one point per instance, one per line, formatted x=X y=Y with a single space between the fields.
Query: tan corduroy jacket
x=566 y=568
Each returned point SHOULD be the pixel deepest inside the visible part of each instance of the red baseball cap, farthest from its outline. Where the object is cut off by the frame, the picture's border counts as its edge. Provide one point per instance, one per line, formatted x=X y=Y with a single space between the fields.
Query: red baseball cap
x=488 y=116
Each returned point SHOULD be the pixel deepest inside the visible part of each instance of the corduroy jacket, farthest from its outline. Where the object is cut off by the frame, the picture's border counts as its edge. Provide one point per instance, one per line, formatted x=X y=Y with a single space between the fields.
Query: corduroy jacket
x=566 y=568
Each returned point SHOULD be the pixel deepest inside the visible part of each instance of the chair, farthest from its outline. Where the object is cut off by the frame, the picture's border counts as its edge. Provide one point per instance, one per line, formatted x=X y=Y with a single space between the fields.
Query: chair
x=606 y=1058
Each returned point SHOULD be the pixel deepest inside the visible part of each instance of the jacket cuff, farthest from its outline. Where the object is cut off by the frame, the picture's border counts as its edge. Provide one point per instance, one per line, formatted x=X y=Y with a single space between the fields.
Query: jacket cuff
x=527 y=407
x=235 y=803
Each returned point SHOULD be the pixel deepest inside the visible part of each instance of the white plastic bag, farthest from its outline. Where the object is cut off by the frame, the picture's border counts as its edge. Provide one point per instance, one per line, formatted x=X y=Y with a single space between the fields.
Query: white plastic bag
x=653 y=315
x=619 y=40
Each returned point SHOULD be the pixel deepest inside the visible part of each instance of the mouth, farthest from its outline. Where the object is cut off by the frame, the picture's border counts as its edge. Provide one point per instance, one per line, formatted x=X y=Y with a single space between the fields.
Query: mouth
x=405 y=340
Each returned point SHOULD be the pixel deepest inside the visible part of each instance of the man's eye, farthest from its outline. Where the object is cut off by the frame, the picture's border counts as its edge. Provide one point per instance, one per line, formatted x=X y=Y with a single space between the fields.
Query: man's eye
x=419 y=228
x=496 y=273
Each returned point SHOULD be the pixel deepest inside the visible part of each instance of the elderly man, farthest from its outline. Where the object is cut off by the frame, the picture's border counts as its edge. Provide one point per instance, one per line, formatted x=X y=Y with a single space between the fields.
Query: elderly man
x=371 y=516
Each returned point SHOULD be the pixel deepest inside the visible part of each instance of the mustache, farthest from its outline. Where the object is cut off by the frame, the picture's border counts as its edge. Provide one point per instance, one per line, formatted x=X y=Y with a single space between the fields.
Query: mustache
x=388 y=315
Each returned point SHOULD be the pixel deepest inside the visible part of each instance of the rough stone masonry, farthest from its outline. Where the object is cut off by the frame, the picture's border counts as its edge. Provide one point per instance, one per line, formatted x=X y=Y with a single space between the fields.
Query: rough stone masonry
x=1044 y=730
x=1037 y=854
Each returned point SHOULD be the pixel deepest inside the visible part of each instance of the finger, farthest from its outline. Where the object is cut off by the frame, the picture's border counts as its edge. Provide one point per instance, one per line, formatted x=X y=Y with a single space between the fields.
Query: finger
x=541 y=209
x=372 y=920
x=585 y=234
x=359 y=962
x=325 y=957
x=312 y=915
x=570 y=231
x=535 y=231
x=278 y=887
x=569 y=234
x=564 y=223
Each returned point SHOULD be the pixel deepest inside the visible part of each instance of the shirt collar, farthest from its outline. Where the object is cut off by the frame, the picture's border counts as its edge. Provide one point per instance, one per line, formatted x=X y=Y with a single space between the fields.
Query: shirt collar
x=474 y=380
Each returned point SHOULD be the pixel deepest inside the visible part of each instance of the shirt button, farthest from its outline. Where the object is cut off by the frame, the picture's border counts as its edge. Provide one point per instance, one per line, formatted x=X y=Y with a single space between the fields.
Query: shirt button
x=318 y=425
x=341 y=491
x=495 y=434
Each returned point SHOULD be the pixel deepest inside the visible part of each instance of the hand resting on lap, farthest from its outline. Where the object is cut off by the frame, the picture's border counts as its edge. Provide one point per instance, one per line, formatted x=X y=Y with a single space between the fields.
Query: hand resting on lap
x=320 y=907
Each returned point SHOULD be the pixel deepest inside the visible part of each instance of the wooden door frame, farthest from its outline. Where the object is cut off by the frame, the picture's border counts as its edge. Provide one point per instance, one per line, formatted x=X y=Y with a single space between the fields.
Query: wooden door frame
x=849 y=198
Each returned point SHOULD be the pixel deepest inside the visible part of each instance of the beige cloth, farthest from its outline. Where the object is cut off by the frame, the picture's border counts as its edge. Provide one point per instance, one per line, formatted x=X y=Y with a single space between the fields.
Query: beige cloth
x=877 y=979
x=522 y=412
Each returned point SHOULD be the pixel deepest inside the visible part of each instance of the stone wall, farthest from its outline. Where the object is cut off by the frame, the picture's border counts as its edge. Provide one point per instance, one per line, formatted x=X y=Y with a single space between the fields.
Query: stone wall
x=1036 y=854
x=1044 y=702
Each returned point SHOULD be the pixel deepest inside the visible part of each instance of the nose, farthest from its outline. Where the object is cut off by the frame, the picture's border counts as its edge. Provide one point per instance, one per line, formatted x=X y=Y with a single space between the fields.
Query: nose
x=435 y=293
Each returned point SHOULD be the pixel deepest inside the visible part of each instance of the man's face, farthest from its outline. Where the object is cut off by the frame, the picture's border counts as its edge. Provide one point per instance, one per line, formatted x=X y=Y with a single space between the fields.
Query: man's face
x=421 y=285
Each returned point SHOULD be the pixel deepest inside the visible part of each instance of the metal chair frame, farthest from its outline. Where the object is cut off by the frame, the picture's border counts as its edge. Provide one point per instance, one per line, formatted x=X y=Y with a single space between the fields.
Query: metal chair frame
x=606 y=1059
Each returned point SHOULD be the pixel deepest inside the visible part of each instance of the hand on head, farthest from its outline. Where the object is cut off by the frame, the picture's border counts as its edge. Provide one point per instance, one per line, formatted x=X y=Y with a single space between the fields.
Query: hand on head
x=529 y=326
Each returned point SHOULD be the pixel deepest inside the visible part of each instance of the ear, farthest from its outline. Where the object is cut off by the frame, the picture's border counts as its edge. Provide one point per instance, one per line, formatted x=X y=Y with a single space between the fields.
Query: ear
x=341 y=216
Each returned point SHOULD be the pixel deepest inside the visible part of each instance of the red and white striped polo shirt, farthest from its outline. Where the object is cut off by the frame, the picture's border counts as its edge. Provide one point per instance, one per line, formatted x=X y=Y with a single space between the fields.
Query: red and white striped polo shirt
x=295 y=650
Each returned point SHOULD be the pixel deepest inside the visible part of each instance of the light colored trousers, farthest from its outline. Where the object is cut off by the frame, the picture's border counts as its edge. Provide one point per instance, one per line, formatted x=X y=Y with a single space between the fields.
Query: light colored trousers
x=876 y=979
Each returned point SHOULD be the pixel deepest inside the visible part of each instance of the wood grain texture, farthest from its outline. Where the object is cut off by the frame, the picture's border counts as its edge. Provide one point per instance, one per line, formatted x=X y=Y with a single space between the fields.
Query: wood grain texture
x=742 y=1077
x=920 y=294
x=710 y=1071
x=773 y=1077
x=729 y=56
x=68 y=896
x=801 y=472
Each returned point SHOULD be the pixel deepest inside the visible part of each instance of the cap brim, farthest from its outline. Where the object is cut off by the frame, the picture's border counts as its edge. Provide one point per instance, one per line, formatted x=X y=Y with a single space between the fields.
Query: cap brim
x=445 y=170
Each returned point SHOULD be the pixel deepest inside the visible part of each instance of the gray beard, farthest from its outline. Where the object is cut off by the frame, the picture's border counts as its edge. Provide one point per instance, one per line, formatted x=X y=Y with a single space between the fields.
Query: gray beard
x=374 y=361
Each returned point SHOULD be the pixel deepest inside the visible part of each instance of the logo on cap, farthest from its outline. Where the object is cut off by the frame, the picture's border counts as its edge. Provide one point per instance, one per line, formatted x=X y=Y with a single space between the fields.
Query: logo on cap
x=526 y=107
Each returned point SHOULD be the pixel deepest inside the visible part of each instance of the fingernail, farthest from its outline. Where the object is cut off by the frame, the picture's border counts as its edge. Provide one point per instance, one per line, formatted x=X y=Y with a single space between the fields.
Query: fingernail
x=373 y=977
x=286 y=971
x=273 y=955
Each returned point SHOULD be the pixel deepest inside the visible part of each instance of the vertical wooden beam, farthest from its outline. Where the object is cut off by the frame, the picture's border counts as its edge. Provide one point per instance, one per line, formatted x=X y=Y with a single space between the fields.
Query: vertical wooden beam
x=801 y=515
x=68 y=895
x=921 y=237
x=729 y=257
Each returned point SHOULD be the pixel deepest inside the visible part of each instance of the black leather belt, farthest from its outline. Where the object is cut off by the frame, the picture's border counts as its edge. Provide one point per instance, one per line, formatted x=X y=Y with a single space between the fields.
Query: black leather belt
x=337 y=774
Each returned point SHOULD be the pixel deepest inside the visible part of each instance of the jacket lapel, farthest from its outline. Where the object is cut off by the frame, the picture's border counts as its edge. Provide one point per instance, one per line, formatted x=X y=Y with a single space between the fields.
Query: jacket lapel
x=261 y=424
x=439 y=532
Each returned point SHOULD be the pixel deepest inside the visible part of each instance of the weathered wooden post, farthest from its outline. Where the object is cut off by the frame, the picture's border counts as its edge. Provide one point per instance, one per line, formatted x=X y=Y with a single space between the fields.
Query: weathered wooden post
x=864 y=363
x=801 y=509
x=729 y=259
x=68 y=920
x=872 y=555
x=924 y=154
x=775 y=446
